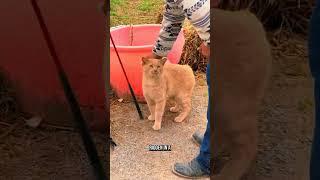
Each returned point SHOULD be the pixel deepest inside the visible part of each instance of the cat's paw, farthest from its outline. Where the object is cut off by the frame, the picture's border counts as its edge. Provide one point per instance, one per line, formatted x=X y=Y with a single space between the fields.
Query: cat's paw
x=151 y=118
x=156 y=127
x=174 y=109
x=178 y=119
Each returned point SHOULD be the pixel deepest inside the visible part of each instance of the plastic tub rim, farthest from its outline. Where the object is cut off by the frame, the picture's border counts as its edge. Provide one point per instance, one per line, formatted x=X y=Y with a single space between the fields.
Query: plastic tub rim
x=129 y=48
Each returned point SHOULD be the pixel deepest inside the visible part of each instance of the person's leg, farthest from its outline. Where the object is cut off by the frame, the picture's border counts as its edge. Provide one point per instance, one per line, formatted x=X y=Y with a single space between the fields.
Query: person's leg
x=200 y=165
x=314 y=42
x=315 y=152
x=205 y=155
x=314 y=57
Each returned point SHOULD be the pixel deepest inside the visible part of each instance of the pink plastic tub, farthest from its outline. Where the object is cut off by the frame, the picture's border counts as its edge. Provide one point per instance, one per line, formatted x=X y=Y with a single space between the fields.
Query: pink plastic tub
x=132 y=43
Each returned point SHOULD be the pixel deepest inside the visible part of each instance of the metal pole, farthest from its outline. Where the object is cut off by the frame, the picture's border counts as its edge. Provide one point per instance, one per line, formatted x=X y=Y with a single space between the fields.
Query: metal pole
x=73 y=103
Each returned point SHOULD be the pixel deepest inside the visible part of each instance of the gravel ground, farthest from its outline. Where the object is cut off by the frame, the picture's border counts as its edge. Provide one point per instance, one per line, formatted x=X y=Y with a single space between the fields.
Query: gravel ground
x=40 y=154
x=132 y=160
x=286 y=117
x=285 y=125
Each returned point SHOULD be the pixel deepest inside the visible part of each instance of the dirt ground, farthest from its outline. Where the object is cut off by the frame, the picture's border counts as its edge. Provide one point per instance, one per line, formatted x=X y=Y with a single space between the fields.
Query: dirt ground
x=286 y=117
x=44 y=153
x=285 y=125
x=132 y=160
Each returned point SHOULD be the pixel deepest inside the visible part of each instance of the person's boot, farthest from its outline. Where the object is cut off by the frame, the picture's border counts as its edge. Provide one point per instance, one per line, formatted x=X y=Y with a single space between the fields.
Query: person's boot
x=197 y=138
x=191 y=170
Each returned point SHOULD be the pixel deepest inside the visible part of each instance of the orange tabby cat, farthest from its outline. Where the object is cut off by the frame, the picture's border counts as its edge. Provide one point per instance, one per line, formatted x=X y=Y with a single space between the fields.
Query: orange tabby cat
x=162 y=81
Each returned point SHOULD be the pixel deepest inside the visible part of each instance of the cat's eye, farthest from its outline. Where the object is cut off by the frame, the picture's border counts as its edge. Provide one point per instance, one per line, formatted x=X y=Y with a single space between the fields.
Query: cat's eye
x=158 y=66
x=151 y=65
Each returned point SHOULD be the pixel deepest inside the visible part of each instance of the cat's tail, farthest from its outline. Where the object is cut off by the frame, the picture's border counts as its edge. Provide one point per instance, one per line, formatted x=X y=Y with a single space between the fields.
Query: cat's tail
x=189 y=72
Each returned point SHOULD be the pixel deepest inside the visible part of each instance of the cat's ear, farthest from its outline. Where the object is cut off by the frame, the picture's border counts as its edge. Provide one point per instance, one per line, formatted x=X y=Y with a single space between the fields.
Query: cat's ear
x=163 y=60
x=144 y=60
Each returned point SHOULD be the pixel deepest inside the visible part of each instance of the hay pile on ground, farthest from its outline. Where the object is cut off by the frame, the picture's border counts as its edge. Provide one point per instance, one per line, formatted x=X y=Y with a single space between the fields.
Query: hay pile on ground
x=280 y=17
x=290 y=15
x=190 y=54
x=289 y=52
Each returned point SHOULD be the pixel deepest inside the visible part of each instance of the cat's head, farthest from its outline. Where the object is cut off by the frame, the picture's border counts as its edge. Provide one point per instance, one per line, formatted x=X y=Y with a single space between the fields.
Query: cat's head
x=153 y=67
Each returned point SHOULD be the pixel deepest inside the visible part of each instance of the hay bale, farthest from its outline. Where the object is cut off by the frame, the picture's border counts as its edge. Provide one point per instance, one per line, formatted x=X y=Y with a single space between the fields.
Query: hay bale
x=190 y=54
x=160 y=14
x=289 y=15
x=281 y=16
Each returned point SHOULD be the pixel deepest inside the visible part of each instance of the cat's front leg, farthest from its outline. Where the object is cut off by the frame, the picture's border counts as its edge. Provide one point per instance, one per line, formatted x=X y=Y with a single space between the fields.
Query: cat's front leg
x=151 y=106
x=159 y=110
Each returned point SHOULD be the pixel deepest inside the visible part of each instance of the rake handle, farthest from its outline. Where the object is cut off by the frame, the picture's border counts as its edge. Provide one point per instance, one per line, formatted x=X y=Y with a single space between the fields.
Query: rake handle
x=125 y=74
x=73 y=103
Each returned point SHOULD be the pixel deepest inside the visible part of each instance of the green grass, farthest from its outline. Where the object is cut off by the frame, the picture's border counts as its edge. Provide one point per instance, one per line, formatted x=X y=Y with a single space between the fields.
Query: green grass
x=146 y=5
x=113 y=6
x=123 y=12
x=116 y=2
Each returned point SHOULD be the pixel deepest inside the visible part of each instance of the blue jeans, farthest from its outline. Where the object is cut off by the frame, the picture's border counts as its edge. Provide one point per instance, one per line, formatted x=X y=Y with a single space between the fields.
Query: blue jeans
x=314 y=62
x=204 y=156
